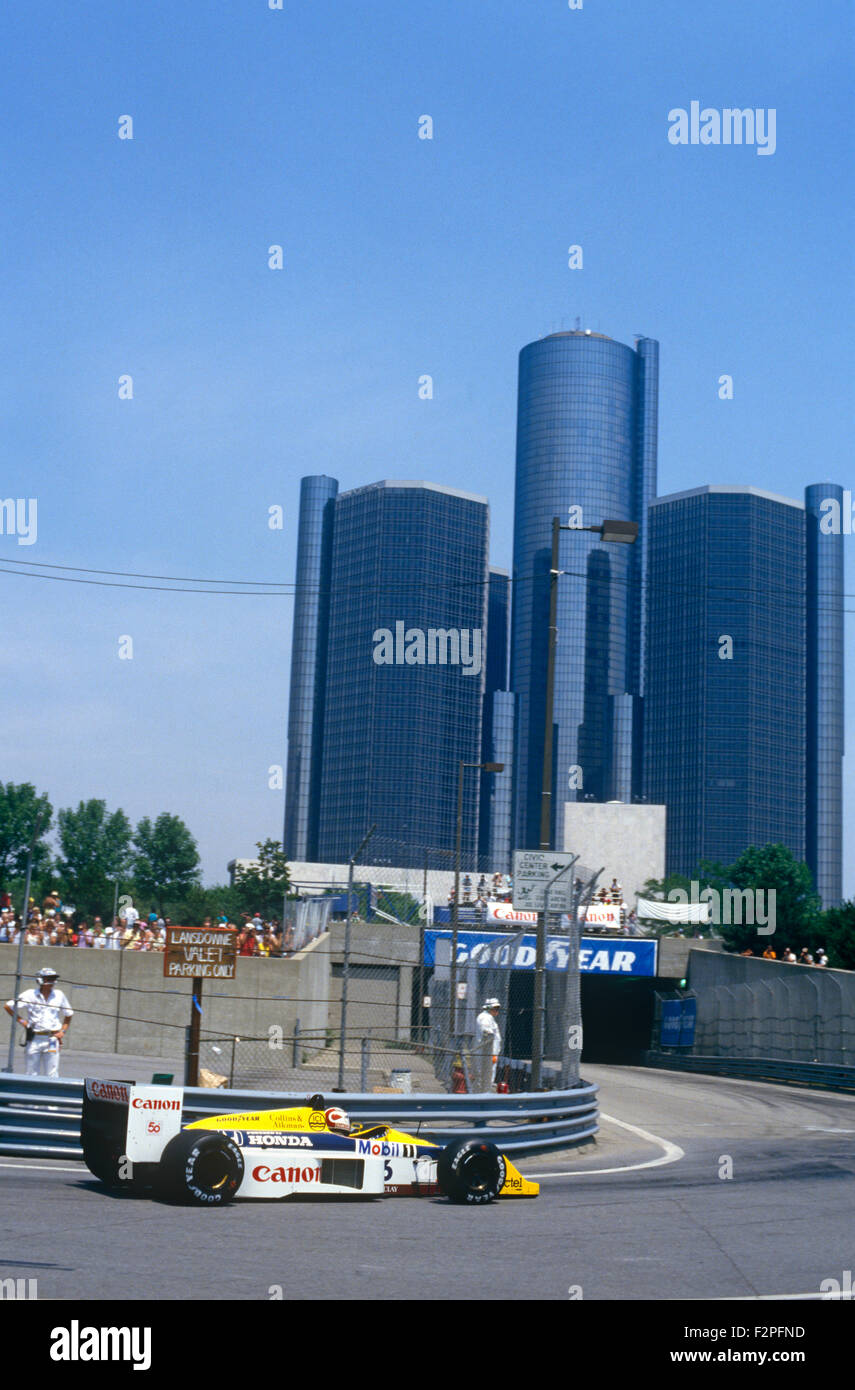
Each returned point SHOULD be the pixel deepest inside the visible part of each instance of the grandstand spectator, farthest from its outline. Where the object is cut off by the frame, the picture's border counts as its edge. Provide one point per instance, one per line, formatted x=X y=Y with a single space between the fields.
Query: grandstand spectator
x=805 y=957
x=769 y=954
x=246 y=942
x=84 y=934
x=821 y=957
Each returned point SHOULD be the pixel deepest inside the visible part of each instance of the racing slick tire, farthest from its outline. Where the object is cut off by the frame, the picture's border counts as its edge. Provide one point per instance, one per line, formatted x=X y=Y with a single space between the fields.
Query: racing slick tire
x=200 y=1168
x=471 y=1171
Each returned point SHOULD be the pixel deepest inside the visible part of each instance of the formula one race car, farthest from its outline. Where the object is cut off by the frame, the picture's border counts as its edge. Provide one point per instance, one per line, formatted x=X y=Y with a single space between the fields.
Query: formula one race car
x=133 y=1137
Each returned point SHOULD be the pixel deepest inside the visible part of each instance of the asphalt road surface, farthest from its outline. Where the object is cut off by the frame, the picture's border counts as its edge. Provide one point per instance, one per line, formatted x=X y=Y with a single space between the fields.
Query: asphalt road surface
x=696 y=1188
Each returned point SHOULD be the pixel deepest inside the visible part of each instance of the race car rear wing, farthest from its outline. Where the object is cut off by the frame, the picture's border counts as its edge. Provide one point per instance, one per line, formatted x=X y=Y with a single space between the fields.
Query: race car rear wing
x=124 y=1118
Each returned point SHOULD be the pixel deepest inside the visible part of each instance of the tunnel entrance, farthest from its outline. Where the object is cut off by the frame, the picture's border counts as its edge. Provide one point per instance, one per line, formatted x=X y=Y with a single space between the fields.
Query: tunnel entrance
x=617 y=1018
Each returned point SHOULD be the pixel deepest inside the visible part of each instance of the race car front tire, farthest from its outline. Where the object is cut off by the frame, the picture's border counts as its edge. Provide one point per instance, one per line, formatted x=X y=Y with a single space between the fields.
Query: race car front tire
x=471 y=1172
x=200 y=1168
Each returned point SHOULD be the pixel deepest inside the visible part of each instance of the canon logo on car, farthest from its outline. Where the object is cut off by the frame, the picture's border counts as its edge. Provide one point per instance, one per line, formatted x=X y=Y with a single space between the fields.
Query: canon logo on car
x=139 y=1104
x=107 y=1090
x=294 y=1175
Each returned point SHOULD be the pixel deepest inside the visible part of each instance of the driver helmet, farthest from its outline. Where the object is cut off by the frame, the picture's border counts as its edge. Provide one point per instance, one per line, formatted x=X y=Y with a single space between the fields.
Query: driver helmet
x=337 y=1120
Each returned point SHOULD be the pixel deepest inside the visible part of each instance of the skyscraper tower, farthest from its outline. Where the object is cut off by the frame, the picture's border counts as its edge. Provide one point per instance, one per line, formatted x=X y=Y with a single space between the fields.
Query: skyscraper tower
x=389 y=667
x=586 y=440
x=824 y=765
x=308 y=666
x=744 y=703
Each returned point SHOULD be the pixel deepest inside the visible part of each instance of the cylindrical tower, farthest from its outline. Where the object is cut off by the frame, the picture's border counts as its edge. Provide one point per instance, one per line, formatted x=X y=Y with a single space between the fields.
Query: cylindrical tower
x=586 y=440
x=308 y=666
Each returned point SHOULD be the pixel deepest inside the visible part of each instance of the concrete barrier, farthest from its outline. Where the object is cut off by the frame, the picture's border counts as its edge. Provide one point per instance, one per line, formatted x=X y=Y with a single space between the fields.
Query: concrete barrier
x=123 y=1003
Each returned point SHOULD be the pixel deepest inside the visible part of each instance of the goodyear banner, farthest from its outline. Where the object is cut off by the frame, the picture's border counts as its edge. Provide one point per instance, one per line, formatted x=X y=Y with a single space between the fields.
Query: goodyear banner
x=623 y=955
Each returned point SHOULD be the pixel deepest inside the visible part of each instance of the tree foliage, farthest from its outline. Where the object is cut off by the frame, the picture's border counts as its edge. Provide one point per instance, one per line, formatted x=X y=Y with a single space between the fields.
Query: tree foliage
x=166 y=858
x=21 y=806
x=263 y=883
x=95 y=851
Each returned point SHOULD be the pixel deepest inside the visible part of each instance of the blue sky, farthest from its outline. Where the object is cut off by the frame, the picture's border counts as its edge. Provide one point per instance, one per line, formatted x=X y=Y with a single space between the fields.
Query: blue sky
x=402 y=257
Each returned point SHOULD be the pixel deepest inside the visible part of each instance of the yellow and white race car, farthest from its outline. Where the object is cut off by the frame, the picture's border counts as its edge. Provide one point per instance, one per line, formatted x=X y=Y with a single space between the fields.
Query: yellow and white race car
x=134 y=1136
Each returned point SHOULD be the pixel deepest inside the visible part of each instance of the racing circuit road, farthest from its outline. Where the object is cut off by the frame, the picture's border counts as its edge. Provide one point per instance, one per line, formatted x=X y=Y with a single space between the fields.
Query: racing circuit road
x=637 y=1215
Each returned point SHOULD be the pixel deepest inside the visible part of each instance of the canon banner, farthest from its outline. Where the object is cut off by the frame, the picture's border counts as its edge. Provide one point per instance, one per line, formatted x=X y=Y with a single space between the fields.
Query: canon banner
x=625 y=955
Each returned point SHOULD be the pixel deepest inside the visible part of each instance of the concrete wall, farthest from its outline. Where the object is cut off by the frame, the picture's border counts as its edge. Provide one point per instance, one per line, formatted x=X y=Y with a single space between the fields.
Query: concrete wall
x=750 y=1007
x=122 y=1002
x=378 y=1003
x=628 y=840
x=674 y=954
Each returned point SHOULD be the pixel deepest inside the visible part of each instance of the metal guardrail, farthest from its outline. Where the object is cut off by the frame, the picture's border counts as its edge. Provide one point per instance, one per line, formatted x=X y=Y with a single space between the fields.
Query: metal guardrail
x=821 y=1075
x=41 y=1118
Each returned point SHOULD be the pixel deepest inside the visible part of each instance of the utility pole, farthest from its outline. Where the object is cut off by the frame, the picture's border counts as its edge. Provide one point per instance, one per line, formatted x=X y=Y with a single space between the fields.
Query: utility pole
x=346 y=966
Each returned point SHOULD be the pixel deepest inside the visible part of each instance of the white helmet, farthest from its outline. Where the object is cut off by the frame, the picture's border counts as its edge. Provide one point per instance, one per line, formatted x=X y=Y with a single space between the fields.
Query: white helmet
x=337 y=1120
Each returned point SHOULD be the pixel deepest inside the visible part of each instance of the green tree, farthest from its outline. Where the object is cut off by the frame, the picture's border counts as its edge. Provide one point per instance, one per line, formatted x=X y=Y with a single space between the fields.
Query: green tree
x=20 y=808
x=835 y=930
x=166 y=858
x=95 y=850
x=191 y=907
x=264 y=883
x=796 y=905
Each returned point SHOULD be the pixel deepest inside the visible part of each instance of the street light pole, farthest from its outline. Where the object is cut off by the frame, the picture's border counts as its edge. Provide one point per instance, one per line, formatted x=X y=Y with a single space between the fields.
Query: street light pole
x=455 y=917
x=619 y=532
x=346 y=964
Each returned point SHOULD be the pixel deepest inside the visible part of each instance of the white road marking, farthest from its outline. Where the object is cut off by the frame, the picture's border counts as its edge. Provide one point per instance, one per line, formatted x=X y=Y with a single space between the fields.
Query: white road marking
x=783 y=1297
x=46 y=1167
x=672 y=1153
x=821 y=1129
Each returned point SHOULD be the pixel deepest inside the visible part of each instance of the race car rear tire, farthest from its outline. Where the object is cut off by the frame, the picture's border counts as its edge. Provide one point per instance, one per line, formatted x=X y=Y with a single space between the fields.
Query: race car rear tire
x=471 y=1171
x=200 y=1168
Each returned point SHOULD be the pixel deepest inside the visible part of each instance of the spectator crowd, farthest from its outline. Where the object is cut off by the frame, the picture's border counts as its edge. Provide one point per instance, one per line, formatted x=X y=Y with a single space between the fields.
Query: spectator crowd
x=55 y=925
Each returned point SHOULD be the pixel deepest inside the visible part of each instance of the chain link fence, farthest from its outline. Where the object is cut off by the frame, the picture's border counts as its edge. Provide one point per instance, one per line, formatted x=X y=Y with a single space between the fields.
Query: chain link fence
x=400 y=1031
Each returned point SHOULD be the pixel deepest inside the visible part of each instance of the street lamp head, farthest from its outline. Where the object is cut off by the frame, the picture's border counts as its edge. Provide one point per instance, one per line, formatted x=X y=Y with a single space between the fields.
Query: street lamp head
x=621 y=532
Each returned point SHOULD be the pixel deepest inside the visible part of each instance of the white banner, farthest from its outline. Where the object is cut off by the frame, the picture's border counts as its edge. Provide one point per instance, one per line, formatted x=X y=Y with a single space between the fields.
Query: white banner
x=685 y=913
x=600 y=914
x=506 y=912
